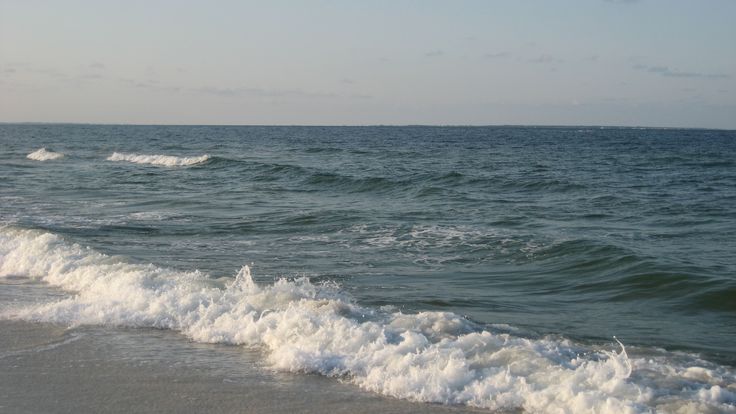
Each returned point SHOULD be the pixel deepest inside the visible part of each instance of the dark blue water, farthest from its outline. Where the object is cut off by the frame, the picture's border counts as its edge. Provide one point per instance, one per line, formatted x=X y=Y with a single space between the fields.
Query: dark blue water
x=583 y=233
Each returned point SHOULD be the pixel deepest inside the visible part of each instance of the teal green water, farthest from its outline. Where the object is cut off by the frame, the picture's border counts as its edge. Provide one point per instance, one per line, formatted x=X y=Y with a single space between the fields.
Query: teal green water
x=579 y=233
x=583 y=232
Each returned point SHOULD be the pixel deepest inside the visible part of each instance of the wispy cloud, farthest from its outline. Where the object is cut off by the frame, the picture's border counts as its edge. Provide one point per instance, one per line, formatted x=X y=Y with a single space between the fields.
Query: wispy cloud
x=545 y=59
x=150 y=85
x=26 y=68
x=94 y=72
x=261 y=93
x=89 y=76
x=497 y=55
x=434 y=53
x=153 y=85
x=672 y=73
x=360 y=96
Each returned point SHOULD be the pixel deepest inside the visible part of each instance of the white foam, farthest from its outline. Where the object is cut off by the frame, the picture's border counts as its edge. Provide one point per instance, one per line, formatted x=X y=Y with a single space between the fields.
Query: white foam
x=43 y=154
x=420 y=243
x=304 y=327
x=423 y=236
x=166 y=160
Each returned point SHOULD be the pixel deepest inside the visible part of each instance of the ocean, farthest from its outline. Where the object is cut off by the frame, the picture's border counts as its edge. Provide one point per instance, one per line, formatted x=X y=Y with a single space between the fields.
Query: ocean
x=367 y=269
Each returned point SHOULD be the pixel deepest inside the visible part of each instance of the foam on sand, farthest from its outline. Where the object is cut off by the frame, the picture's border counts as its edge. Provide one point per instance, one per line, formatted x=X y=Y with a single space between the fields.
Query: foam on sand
x=166 y=160
x=305 y=327
x=42 y=154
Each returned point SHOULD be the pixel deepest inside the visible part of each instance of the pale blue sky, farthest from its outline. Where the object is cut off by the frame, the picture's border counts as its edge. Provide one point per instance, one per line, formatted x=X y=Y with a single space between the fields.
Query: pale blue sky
x=562 y=62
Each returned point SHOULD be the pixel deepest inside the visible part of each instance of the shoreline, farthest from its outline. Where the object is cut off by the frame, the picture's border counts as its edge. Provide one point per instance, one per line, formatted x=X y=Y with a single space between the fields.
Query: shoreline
x=47 y=368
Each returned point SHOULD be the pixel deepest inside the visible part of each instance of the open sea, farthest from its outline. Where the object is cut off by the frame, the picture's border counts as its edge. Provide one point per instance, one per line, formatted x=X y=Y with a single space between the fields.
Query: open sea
x=367 y=269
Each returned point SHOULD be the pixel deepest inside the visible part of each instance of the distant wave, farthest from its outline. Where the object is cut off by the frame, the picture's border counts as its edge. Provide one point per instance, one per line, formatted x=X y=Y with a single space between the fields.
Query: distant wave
x=302 y=326
x=43 y=154
x=166 y=160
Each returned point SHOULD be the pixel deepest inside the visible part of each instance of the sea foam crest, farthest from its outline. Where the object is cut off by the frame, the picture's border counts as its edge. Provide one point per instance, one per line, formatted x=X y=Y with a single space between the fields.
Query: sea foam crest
x=167 y=160
x=303 y=327
x=42 y=154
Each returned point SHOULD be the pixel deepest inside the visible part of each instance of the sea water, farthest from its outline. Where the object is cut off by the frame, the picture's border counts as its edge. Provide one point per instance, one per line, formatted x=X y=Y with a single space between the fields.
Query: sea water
x=506 y=268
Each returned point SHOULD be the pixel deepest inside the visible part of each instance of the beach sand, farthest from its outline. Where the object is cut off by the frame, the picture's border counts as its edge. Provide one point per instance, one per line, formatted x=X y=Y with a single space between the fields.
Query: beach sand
x=51 y=369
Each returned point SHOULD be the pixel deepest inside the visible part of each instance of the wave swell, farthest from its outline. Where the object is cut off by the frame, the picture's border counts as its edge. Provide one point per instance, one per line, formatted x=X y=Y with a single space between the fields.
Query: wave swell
x=166 y=160
x=305 y=327
x=42 y=154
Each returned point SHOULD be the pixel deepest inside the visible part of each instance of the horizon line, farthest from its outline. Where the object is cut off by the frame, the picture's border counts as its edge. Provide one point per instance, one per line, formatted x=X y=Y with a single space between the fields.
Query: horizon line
x=370 y=125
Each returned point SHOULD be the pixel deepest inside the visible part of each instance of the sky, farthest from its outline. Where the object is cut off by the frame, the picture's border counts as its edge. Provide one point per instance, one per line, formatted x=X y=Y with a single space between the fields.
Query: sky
x=660 y=63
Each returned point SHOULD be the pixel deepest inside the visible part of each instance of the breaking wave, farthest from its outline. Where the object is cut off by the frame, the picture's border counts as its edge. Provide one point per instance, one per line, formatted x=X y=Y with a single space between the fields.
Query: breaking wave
x=166 y=160
x=306 y=327
x=43 y=154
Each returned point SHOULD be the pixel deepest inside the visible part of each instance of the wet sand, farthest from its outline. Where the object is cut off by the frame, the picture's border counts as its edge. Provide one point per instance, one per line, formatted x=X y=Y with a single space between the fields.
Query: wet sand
x=50 y=369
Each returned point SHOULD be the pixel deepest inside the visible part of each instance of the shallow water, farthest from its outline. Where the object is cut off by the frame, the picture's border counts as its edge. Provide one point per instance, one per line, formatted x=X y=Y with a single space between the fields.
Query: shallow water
x=488 y=267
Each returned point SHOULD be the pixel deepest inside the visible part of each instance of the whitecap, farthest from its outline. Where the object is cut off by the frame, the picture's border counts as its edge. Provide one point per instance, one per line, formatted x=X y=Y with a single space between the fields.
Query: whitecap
x=166 y=160
x=42 y=154
x=435 y=357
